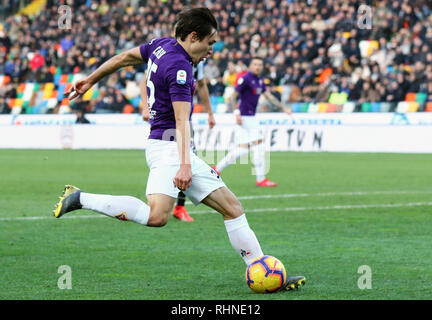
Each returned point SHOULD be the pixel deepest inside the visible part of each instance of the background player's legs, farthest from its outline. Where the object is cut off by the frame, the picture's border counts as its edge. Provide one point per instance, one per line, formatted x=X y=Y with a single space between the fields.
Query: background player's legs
x=180 y=209
x=181 y=198
x=241 y=236
x=232 y=157
x=258 y=159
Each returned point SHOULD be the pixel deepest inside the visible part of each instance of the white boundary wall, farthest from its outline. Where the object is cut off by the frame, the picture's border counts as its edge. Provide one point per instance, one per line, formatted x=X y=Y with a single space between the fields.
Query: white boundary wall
x=359 y=132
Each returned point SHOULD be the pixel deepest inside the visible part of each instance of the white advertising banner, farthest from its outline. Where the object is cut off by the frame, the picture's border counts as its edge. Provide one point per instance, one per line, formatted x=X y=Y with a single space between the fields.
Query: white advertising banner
x=335 y=132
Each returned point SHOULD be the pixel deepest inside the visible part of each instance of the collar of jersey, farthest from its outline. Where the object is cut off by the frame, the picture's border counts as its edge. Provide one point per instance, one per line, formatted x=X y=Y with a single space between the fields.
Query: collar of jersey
x=180 y=49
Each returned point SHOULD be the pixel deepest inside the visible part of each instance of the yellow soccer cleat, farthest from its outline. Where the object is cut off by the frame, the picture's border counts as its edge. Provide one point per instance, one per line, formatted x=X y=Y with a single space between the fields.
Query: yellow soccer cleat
x=68 y=201
x=294 y=282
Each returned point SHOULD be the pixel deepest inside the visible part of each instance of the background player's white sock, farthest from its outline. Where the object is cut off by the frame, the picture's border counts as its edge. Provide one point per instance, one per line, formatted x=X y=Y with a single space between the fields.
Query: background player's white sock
x=231 y=158
x=258 y=159
x=243 y=239
x=120 y=207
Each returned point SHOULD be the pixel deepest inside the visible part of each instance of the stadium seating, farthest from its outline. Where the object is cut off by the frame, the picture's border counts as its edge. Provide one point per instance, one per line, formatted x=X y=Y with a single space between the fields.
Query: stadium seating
x=40 y=97
x=348 y=107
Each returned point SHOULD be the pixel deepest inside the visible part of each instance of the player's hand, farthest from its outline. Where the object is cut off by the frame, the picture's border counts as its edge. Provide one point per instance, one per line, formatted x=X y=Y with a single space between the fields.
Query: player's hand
x=145 y=113
x=211 y=121
x=183 y=178
x=79 y=88
x=239 y=119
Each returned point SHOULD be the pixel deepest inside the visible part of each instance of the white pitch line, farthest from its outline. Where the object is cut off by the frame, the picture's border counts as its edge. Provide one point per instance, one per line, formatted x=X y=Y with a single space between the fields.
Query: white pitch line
x=335 y=207
x=325 y=194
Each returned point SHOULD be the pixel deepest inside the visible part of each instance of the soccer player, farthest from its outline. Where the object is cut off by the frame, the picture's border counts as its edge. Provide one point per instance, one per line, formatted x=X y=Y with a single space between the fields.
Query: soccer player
x=180 y=211
x=173 y=166
x=248 y=133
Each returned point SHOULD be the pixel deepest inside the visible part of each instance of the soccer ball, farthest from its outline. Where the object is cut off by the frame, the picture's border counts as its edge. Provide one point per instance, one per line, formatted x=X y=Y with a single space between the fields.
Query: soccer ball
x=265 y=275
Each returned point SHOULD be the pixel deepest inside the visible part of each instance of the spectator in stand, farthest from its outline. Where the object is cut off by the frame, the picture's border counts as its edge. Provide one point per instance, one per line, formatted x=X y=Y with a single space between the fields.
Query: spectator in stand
x=429 y=91
x=4 y=108
x=230 y=75
x=218 y=88
x=81 y=119
x=395 y=92
x=369 y=94
x=37 y=61
x=211 y=71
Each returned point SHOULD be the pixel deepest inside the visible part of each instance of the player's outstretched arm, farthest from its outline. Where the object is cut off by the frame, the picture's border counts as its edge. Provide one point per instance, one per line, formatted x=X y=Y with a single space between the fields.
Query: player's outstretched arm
x=276 y=102
x=204 y=95
x=144 y=99
x=183 y=178
x=128 y=58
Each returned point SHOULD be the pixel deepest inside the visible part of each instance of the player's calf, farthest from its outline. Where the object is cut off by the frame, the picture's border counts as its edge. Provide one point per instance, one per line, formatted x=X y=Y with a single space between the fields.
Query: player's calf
x=241 y=236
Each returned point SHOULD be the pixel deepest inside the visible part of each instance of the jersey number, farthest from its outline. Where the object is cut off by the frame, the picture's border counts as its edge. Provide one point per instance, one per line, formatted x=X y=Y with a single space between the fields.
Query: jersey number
x=152 y=67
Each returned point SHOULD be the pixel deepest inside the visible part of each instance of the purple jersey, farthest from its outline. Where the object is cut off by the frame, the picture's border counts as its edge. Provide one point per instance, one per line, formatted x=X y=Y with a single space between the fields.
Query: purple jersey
x=169 y=78
x=249 y=88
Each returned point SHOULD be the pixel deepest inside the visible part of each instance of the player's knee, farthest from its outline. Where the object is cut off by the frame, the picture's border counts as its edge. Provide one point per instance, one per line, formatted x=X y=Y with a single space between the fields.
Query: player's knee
x=157 y=219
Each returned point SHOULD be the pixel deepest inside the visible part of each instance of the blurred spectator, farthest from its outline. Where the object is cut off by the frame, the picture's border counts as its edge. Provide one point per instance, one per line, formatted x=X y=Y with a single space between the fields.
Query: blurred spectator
x=217 y=88
x=81 y=117
x=37 y=61
x=230 y=75
x=211 y=71
x=4 y=108
x=369 y=94
x=395 y=93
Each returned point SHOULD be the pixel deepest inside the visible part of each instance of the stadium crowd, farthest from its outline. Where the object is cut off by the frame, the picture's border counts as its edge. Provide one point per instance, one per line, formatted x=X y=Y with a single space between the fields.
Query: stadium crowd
x=311 y=47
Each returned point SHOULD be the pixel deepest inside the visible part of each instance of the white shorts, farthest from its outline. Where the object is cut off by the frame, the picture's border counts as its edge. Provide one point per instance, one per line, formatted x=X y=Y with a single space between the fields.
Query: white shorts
x=249 y=131
x=163 y=161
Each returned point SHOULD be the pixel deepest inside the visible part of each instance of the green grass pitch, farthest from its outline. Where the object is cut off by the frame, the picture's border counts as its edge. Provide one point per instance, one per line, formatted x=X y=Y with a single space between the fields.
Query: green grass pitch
x=330 y=214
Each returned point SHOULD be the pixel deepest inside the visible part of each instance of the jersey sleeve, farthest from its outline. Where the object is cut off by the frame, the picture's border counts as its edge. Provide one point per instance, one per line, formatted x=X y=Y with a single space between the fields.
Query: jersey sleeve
x=145 y=50
x=179 y=79
x=241 y=84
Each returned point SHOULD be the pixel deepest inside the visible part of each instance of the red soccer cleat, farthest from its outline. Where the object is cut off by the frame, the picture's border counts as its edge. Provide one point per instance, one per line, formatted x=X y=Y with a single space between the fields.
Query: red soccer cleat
x=214 y=168
x=181 y=214
x=266 y=183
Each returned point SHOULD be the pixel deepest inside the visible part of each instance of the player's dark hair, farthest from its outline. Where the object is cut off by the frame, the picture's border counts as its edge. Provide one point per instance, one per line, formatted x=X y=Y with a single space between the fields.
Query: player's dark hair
x=200 y=20
x=256 y=58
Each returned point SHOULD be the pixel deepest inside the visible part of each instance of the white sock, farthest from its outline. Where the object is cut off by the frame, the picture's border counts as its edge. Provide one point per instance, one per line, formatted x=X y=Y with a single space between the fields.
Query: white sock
x=231 y=158
x=243 y=239
x=120 y=207
x=258 y=159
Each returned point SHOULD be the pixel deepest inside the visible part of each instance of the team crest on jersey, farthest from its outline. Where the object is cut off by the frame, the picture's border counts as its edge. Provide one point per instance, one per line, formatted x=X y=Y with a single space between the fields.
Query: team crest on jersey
x=181 y=77
x=122 y=216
